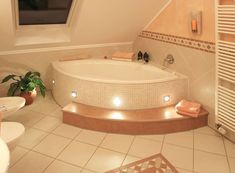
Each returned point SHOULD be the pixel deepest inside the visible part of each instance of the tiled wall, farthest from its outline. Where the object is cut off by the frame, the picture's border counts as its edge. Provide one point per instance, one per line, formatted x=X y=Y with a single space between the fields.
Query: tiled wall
x=198 y=65
x=176 y=19
x=194 y=54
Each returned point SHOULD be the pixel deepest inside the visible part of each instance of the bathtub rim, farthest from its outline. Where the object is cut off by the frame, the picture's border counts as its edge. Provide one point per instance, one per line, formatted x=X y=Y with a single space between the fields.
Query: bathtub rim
x=175 y=75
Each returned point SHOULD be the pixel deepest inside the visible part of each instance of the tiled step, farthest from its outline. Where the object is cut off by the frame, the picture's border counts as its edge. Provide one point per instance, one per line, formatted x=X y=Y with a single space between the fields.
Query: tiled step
x=145 y=121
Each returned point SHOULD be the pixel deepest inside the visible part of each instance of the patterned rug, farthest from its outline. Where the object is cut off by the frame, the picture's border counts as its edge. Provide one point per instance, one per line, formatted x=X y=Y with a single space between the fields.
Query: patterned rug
x=153 y=164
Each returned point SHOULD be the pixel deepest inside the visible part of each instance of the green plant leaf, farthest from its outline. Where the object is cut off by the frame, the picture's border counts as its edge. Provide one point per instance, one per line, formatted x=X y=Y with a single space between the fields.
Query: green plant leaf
x=37 y=74
x=31 y=86
x=7 y=78
x=42 y=91
x=27 y=75
x=13 y=88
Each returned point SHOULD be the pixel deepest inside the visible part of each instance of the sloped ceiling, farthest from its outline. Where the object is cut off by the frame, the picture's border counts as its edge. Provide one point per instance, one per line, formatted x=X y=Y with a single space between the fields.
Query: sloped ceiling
x=102 y=21
x=93 y=22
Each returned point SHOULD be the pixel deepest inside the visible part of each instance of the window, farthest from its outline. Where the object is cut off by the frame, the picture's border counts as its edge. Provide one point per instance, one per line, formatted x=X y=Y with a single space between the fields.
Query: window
x=43 y=12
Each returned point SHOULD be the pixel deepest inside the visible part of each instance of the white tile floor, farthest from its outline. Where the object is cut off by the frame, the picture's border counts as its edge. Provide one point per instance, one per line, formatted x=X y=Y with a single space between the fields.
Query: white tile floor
x=49 y=146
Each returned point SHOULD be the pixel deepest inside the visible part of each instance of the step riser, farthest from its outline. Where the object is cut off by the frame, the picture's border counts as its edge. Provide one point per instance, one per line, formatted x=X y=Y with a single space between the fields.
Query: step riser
x=134 y=128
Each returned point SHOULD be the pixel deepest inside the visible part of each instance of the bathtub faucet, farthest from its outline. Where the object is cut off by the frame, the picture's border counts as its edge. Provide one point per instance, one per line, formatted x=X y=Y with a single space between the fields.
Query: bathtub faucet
x=168 y=60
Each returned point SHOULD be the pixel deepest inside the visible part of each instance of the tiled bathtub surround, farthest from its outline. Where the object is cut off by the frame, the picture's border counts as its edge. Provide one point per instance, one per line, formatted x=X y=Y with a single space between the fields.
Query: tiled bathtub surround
x=181 y=41
x=198 y=66
x=133 y=96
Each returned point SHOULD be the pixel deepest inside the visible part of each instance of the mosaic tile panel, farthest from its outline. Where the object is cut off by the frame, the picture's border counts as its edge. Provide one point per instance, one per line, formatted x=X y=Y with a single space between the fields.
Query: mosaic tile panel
x=133 y=96
x=153 y=164
x=181 y=41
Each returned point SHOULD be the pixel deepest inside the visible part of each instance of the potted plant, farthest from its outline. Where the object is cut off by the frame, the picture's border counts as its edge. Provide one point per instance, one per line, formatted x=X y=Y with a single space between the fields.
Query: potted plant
x=25 y=86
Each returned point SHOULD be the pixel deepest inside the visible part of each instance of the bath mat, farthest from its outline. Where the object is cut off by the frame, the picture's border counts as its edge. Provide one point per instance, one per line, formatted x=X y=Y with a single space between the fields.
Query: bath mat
x=153 y=164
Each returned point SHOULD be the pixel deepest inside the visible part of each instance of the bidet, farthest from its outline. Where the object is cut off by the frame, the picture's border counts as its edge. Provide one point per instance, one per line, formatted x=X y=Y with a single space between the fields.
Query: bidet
x=11 y=132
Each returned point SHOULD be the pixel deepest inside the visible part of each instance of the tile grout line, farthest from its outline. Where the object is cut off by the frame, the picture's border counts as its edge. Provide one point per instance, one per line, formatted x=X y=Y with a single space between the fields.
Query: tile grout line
x=20 y=157
x=30 y=149
x=163 y=142
x=71 y=140
x=97 y=147
x=128 y=150
x=227 y=156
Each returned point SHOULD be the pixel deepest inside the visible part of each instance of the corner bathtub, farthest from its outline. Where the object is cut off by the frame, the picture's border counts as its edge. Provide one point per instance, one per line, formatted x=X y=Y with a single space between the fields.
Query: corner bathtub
x=116 y=84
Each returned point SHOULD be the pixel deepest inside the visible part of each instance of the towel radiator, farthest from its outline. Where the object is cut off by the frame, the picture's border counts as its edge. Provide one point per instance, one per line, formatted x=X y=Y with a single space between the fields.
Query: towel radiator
x=225 y=65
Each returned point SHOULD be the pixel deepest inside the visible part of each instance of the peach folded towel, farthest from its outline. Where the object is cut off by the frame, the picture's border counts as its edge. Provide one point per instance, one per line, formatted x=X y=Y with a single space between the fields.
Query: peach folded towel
x=194 y=115
x=188 y=108
x=123 y=56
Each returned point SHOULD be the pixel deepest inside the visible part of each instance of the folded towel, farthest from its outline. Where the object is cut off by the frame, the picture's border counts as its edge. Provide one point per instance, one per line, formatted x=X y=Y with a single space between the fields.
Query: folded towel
x=123 y=55
x=75 y=57
x=121 y=59
x=194 y=115
x=188 y=107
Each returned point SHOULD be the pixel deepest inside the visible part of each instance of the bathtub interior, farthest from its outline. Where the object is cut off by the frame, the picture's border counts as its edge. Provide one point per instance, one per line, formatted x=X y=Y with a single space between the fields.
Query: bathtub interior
x=109 y=70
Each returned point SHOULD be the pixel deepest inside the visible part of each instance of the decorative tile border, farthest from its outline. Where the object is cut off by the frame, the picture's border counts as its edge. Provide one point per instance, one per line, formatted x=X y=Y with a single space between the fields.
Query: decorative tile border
x=181 y=41
x=153 y=164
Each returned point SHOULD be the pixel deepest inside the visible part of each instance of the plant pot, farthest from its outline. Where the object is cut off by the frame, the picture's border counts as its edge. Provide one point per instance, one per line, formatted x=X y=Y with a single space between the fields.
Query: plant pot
x=29 y=96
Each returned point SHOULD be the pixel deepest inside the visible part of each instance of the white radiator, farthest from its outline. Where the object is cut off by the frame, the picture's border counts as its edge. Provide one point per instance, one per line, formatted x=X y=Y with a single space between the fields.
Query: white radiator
x=225 y=66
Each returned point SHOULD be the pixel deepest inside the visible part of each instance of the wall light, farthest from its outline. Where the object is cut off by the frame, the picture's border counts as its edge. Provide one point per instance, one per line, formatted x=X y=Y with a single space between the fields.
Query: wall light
x=74 y=94
x=166 y=98
x=53 y=81
x=117 y=101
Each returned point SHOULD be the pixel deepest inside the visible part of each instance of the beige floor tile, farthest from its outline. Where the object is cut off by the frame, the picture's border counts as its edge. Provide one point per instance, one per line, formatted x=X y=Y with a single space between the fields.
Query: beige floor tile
x=61 y=167
x=105 y=160
x=45 y=106
x=152 y=137
x=184 y=139
x=32 y=137
x=230 y=148
x=67 y=131
x=130 y=159
x=183 y=170
x=57 y=113
x=32 y=162
x=48 y=124
x=116 y=142
x=232 y=164
x=77 y=153
x=210 y=163
x=52 y=145
x=209 y=143
x=91 y=137
x=26 y=117
x=143 y=147
x=179 y=156
x=86 y=171
x=17 y=154
x=207 y=130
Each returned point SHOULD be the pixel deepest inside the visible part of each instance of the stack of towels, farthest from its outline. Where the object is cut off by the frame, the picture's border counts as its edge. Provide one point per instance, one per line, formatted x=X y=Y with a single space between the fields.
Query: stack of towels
x=188 y=108
x=123 y=56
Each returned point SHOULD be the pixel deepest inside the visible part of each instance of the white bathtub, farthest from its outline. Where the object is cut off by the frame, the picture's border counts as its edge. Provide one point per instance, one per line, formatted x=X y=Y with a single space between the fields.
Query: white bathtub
x=116 y=84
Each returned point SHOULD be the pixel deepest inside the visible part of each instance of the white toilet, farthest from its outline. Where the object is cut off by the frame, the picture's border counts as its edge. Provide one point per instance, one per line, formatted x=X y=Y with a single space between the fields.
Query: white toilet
x=11 y=132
